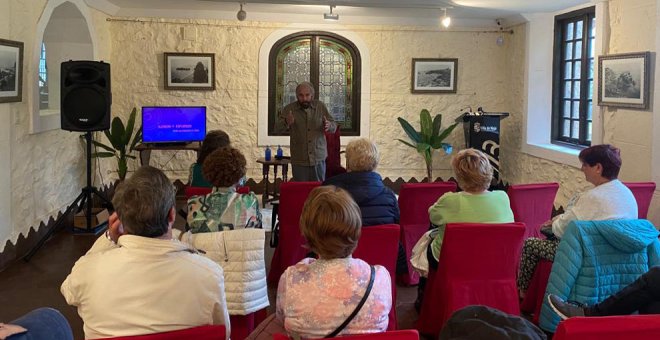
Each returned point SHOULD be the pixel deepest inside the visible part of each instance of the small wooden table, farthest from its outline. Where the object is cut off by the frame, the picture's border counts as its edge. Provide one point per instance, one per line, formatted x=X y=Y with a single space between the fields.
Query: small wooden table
x=145 y=149
x=274 y=192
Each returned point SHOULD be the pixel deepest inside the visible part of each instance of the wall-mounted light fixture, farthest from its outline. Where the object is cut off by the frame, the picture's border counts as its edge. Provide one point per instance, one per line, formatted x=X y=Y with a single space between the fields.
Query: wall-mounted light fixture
x=331 y=16
x=446 y=20
x=241 y=15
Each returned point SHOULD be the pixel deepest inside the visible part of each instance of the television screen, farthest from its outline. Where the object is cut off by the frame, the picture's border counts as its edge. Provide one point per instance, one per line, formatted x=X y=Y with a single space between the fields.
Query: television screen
x=173 y=124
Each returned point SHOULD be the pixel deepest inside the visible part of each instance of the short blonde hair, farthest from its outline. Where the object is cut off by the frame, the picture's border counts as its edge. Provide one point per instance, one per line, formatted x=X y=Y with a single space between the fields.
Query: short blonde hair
x=473 y=170
x=331 y=222
x=362 y=155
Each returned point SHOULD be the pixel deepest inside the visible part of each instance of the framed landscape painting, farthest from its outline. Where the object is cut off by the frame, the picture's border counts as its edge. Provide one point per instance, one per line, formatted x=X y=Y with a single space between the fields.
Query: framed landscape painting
x=434 y=75
x=190 y=71
x=623 y=80
x=11 y=71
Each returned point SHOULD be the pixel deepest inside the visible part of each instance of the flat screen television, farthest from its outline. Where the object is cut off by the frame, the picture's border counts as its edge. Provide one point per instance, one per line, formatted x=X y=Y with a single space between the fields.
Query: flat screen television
x=173 y=124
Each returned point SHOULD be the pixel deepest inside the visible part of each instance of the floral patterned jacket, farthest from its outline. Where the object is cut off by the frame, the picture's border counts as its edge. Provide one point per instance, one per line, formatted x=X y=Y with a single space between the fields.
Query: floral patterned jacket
x=223 y=209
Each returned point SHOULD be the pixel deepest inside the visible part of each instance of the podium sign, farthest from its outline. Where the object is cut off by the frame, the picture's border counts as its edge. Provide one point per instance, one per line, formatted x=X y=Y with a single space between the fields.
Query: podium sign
x=482 y=132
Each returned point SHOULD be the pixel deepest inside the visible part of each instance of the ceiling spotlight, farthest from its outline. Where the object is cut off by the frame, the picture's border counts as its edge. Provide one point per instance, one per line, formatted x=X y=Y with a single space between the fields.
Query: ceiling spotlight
x=446 y=21
x=241 y=15
x=331 y=16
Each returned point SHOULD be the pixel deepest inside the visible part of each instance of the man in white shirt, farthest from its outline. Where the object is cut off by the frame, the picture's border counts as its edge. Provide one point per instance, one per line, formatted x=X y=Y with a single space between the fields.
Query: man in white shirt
x=136 y=279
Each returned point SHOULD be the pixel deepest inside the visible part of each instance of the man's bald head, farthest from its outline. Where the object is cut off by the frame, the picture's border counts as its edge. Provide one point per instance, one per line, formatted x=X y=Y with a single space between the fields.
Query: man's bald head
x=305 y=93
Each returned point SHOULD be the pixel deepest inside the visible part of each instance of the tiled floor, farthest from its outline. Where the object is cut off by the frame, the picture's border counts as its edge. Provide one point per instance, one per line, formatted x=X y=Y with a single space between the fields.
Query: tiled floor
x=26 y=286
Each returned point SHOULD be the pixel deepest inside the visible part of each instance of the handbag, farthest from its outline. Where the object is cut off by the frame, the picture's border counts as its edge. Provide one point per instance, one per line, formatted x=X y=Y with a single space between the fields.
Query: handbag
x=358 y=307
x=418 y=259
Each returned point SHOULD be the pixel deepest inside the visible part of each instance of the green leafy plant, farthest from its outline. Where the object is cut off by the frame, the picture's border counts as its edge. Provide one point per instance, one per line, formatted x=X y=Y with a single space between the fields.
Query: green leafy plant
x=430 y=137
x=122 y=143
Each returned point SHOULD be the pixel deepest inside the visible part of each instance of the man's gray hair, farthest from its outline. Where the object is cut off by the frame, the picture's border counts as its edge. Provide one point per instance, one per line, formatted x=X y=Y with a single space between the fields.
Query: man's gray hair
x=143 y=202
x=307 y=85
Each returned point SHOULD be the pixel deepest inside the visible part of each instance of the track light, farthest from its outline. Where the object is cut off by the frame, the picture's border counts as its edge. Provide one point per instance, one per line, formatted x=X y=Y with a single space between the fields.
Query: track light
x=241 y=15
x=331 y=16
x=446 y=21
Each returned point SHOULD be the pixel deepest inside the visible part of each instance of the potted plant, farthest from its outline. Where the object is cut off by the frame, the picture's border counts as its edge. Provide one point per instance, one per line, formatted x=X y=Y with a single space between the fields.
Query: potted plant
x=122 y=143
x=429 y=138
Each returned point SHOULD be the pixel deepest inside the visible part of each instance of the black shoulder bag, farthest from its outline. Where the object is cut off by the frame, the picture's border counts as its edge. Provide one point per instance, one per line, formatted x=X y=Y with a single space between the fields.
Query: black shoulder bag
x=358 y=307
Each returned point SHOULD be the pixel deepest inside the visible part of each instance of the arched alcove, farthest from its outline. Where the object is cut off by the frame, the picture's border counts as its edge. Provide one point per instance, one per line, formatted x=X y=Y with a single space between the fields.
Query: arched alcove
x=64 y=32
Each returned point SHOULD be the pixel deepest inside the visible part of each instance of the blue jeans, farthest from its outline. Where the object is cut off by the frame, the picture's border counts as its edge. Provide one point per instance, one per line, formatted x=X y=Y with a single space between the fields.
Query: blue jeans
x=43 y=323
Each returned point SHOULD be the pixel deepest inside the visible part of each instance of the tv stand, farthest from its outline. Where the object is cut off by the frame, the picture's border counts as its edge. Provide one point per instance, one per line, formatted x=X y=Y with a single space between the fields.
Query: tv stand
x=146 y=148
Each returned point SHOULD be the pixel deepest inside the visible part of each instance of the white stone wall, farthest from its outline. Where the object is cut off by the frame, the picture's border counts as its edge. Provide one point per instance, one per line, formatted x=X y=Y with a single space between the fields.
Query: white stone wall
x=43 y=172
x=138 y=80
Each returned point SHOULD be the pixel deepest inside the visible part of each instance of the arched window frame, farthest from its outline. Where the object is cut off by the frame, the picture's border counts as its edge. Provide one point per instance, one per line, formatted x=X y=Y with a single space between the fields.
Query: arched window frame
x=314 y=38
x=262 y=101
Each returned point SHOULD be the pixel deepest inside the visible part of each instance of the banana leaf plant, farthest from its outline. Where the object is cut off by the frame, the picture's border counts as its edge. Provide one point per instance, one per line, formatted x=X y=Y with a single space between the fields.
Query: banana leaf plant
x=122 y=143
x=430 y=137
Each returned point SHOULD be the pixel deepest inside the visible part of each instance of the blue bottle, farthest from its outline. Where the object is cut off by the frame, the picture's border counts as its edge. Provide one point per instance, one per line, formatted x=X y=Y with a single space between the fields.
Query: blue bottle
x=268 y=152
x=278 y=154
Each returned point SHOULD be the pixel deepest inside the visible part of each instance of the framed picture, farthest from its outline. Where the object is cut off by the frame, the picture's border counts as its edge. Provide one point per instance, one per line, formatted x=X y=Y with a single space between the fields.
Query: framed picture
x=623 y=80
x=434 y=75
x=11 y=71
x=190 y=71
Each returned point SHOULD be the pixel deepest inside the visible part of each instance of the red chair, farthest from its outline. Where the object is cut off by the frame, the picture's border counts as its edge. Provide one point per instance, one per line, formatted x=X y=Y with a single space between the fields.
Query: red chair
x=406 y=334
x=196 y=191
x=477 y=267
x=243 y=325
x=415 y=199
x=290 y=248
x=536 y=290
x=532 y=204
x=208 y=332
x=638 y=327
x=333 y=160
x=643 y=192
x=379 y=245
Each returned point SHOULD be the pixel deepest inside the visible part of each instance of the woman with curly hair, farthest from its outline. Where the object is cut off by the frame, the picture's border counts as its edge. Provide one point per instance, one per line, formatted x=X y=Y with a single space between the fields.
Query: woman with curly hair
x=214 y=140
x=224 y=208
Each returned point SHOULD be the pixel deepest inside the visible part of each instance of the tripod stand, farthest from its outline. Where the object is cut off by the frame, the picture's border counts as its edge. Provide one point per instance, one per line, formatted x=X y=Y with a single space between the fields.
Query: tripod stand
x=84 y=198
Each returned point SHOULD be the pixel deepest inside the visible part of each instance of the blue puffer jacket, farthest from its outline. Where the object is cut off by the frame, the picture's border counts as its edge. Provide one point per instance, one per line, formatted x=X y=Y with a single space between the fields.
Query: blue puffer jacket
x=377 y=202
x=596 y=259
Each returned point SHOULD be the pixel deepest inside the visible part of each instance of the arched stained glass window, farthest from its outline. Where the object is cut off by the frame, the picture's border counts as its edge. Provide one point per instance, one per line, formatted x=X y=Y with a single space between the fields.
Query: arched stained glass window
x=328 y=61
x=43 y=79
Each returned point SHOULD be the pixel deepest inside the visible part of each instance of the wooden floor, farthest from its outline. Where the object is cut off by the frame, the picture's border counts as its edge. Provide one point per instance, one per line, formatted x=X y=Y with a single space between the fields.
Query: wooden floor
x=25 y=286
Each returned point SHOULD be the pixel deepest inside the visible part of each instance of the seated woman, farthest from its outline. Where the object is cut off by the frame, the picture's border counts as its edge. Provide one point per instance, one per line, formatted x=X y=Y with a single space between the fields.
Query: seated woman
x=641 y=296
x=608 y=200
x=214 y=140
x=475 y=204
x=315 y=296
x=223 y=208
x=378 y=204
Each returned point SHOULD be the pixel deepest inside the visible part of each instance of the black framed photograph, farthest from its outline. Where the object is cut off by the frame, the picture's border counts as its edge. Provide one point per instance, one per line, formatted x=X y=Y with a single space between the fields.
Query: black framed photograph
x=434 y=75
x=190 y=71
x=11 y=71
x=623 y=80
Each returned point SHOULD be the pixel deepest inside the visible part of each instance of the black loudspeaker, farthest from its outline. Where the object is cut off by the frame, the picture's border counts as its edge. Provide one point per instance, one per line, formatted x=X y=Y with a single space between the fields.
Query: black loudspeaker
x=85 y=95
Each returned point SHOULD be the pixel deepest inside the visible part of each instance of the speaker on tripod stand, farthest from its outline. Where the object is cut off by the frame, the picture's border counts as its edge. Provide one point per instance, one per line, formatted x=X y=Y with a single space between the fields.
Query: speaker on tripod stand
x=85 y=101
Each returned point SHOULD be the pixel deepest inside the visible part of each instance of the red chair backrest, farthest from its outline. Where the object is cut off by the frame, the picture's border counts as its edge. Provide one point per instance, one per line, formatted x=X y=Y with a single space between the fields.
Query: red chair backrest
x=290 y=248
x=406 y=334
x=638 y=327
x=379 y=245
x=415 y=199
x=478 y=266
x=333 y=160
x=196 y=191
x=207 y=332
x=643 y=192
x=532 y=204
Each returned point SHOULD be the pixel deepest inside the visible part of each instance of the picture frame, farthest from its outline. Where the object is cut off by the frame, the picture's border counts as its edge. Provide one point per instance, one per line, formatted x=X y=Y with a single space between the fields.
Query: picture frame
x=434 y=75
x=623 y=80
x=190 y=71
x=11 y=71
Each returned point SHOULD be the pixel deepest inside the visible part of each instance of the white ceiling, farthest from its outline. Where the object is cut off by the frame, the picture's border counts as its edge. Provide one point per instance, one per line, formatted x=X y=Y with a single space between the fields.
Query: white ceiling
x=464 y=13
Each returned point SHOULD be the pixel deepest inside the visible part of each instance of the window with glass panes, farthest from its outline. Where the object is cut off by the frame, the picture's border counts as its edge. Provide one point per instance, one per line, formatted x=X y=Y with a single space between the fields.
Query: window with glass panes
x=43 y=79
x=573 y=77
x=330 y=62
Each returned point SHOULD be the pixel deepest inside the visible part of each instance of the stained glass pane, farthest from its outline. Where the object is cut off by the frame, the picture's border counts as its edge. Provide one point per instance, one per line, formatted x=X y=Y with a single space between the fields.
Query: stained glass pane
x=43 y=79
x=335 y=80
x=293 y=65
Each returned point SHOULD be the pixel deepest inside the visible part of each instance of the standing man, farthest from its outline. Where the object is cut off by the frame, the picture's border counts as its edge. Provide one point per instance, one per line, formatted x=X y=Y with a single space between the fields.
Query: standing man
x=306 y=120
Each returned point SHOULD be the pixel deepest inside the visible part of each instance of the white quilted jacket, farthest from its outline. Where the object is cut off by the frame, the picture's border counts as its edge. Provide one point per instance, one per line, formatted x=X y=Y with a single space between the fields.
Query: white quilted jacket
x=240 y=253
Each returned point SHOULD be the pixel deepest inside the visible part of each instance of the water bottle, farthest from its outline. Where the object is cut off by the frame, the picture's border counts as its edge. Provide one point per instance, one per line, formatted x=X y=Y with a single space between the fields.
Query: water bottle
x=268 y=152
x=278 y=154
